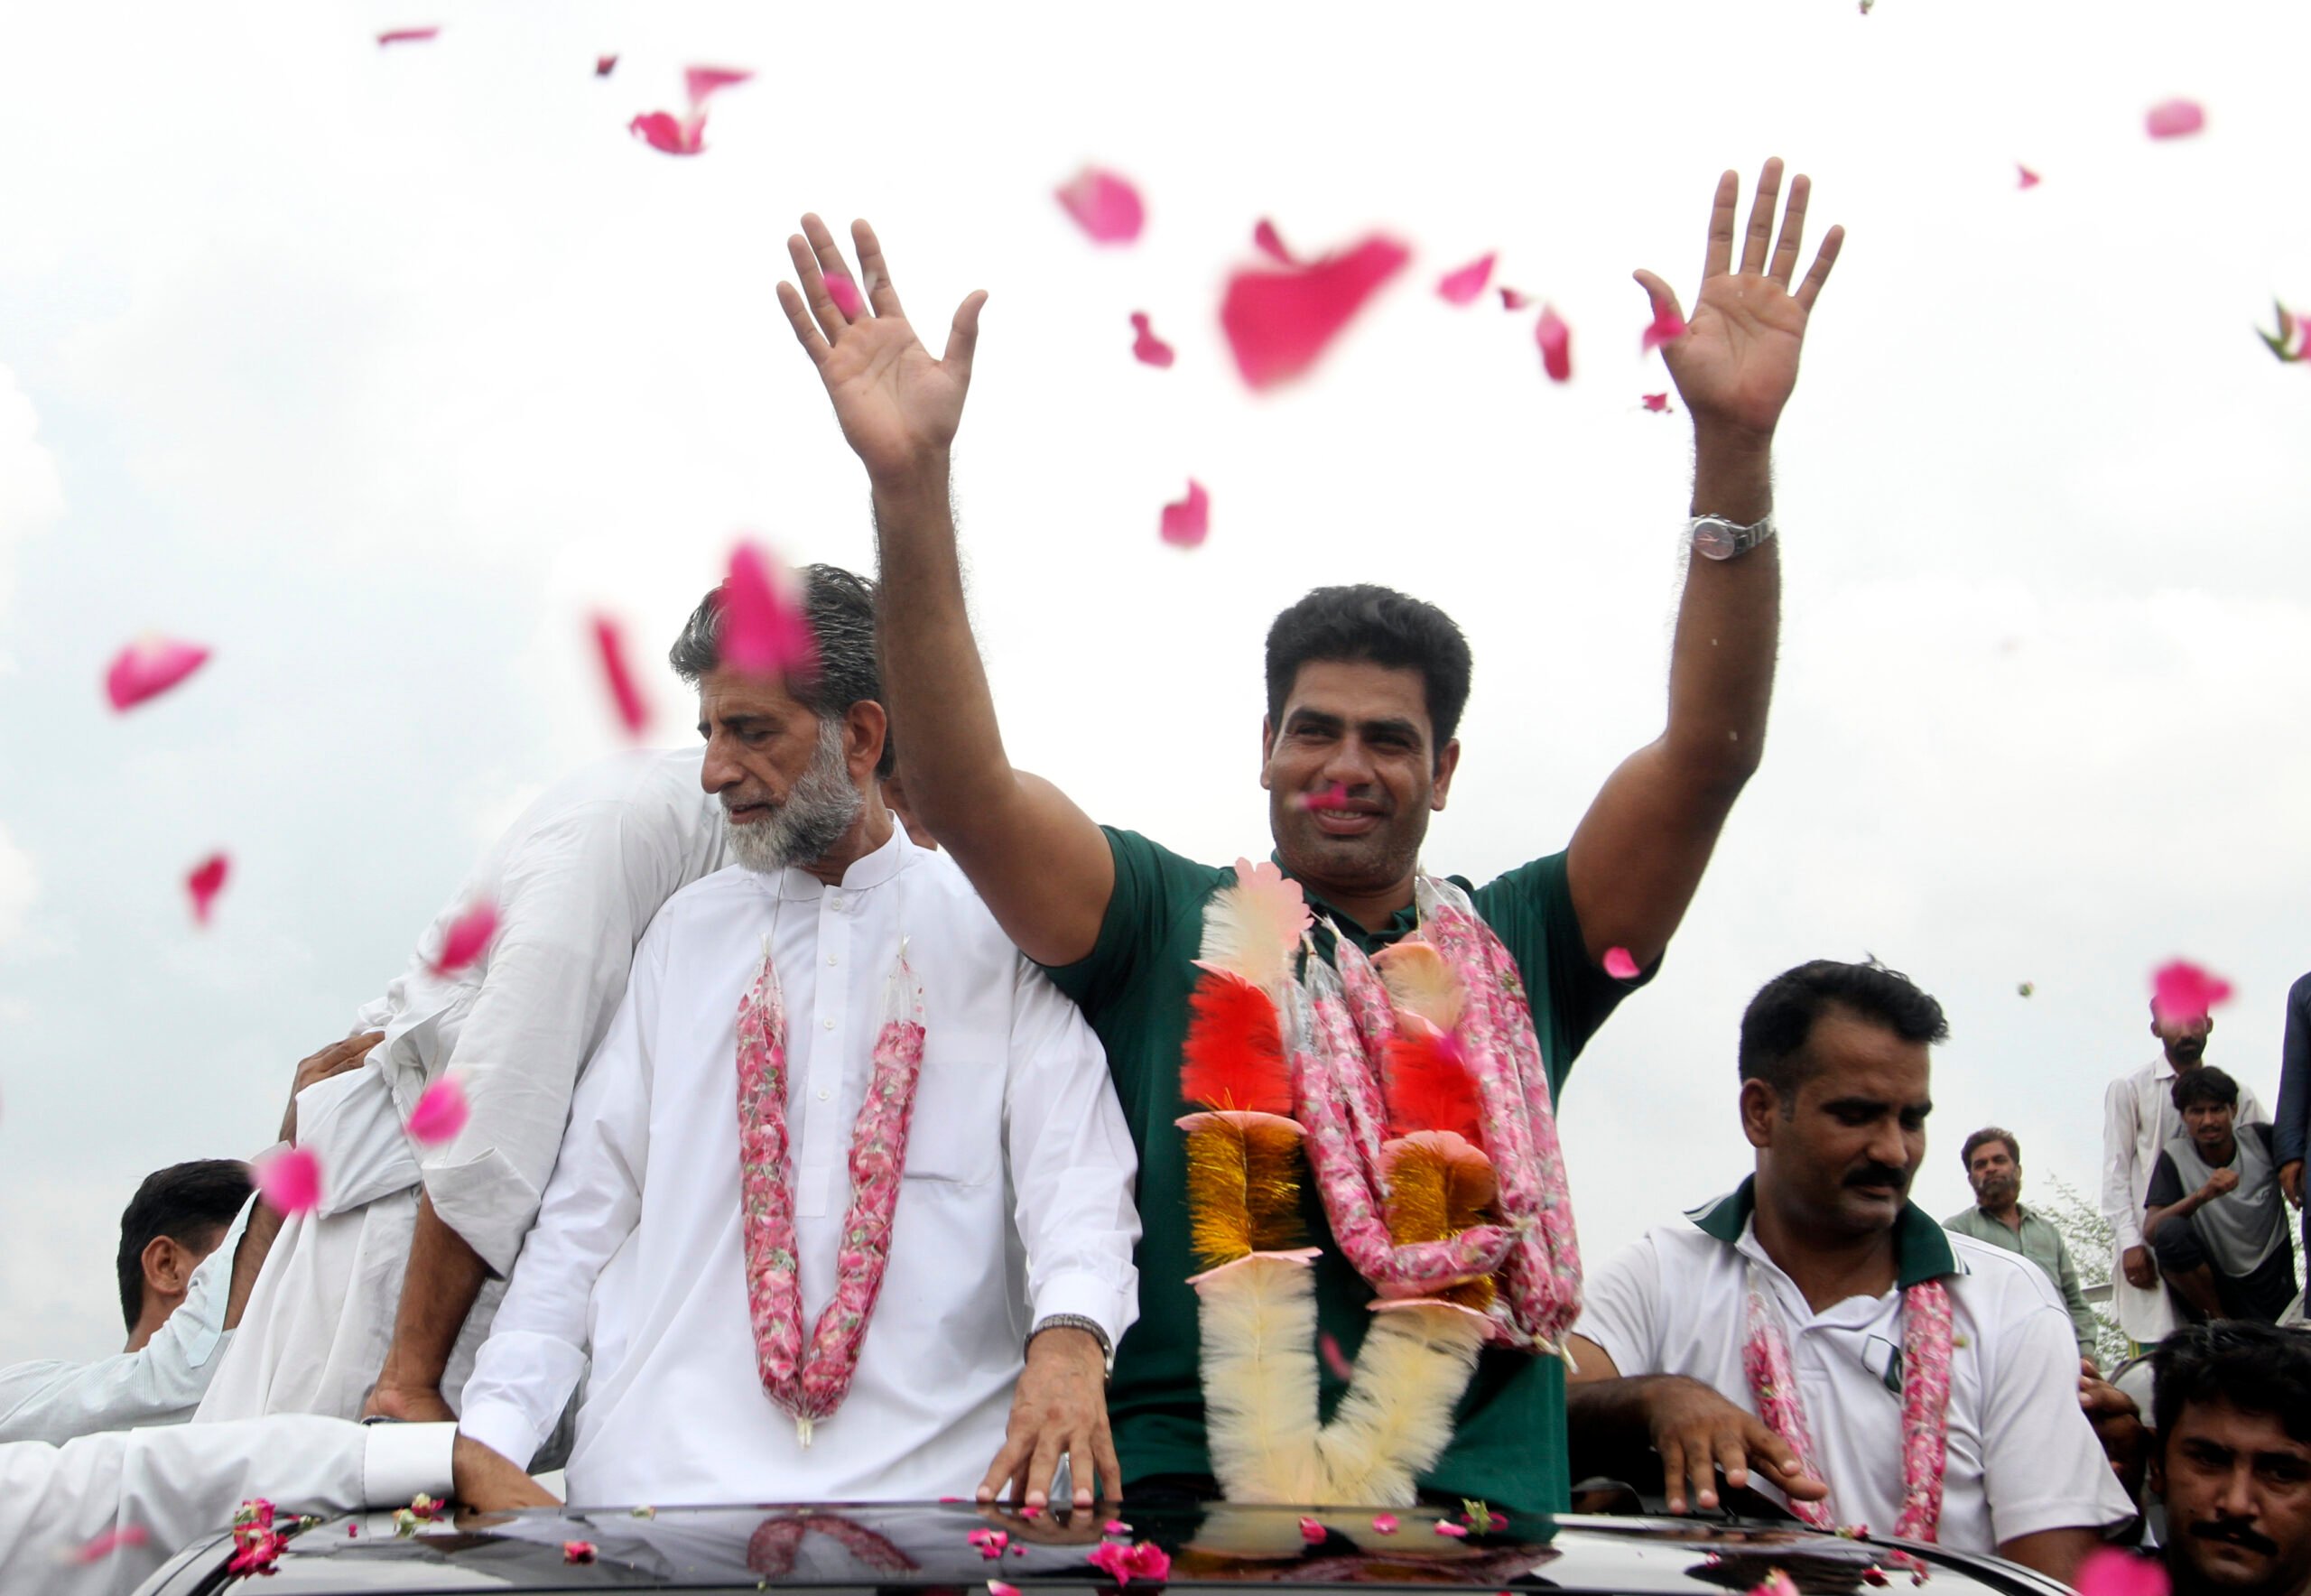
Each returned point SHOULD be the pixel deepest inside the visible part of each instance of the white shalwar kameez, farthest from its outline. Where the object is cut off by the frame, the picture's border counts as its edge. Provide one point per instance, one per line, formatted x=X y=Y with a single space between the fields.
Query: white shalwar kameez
x=1016 y=1203
x=2138 y=1118
x=576 y=881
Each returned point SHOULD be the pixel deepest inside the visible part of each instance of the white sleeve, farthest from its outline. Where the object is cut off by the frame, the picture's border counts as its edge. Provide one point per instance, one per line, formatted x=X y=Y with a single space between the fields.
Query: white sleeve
x=161 y=1489
x=159 y=1384
x=1619 y=1308
x=2120 y=1205
x=536 y=1349
x=1071 y=1162
x=2042 y=1465
x=2251 y=1112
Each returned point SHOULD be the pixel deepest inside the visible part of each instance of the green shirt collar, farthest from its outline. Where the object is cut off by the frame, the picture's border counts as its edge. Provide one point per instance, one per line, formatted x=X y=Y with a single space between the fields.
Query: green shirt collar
x=1403 y=923
x=1922 y=1249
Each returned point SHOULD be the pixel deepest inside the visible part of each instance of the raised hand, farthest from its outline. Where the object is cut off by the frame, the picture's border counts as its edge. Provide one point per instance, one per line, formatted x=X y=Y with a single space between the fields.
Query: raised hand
x=898 y=407
x=1737 y=360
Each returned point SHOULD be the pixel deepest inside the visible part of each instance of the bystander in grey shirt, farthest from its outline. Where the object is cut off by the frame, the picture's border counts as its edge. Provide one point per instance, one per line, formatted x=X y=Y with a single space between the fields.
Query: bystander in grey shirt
x=2042 y=1244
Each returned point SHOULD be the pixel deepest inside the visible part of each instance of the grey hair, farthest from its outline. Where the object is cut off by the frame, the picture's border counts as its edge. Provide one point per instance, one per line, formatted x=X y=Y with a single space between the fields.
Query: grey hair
x=840 y=607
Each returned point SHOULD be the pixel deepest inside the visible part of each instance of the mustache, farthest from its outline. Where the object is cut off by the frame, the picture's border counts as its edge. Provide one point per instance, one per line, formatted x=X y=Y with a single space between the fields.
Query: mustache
x=1879 y=1174
x=2236 y=1533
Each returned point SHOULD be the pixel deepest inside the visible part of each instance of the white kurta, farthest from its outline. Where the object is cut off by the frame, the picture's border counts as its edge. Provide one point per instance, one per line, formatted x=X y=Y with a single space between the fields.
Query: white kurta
x=2137 y=1118
x=175 y=1484
x=160 y=1383
x=1016 y=1203
x=576 y=881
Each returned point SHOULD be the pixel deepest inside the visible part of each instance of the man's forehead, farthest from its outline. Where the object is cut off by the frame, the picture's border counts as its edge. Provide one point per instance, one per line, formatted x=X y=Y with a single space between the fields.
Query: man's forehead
x=2219 y=1420
x=1852 y=1055
x=724 y=694
x=1359 y=690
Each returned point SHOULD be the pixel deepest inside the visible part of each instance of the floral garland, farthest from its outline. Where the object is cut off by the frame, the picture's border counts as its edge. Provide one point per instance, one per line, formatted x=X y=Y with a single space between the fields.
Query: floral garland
x=810 y=1385
x=1926 y=1402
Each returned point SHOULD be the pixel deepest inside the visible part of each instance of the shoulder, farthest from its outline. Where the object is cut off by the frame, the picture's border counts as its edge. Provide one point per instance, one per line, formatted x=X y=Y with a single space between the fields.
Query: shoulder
x=704 y=898
x=1998 y=1285
x=1962 y=1222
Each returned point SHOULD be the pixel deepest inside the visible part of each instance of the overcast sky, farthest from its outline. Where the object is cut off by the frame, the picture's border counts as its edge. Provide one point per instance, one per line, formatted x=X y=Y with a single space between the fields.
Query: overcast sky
x=378 y=371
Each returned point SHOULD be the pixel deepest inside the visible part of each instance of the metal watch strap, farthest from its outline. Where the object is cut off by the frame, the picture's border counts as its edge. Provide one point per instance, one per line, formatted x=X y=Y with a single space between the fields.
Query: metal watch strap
x=1082 y=1321
x=1717 y=537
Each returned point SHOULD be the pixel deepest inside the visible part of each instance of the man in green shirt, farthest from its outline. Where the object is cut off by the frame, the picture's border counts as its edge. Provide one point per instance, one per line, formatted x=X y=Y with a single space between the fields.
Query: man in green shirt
x=1365 y=690
x=1993 y=1161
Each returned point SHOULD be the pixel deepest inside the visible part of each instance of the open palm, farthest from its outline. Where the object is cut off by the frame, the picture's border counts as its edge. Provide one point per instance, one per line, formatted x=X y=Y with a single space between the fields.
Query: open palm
x=1736 y=362
x=897 y=405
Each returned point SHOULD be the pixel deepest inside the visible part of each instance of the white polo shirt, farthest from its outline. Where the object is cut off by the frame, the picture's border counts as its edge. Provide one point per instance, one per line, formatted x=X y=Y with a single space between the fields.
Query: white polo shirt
x=2022 y=1457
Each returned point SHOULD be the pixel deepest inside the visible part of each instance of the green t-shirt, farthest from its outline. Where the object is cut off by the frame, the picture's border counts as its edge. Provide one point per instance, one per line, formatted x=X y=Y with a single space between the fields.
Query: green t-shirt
x=1509 y=1444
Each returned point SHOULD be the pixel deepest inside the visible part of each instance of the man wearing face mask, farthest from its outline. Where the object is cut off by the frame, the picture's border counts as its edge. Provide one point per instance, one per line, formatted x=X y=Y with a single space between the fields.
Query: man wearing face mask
x=1817 y=1284
x=2233 y=1459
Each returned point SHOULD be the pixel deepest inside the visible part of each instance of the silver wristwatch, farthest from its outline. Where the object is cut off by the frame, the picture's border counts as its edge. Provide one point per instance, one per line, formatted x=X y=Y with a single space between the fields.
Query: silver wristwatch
x=1716 y=538
x=1082 y=1321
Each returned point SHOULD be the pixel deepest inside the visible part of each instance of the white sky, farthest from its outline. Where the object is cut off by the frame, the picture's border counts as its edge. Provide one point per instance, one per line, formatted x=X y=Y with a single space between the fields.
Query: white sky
x=378 y=370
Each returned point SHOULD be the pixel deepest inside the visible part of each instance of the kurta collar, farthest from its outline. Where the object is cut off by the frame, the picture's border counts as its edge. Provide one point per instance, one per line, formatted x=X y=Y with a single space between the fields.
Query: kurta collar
x=877 y=869
x=1403 y=923
x=1922 y=1249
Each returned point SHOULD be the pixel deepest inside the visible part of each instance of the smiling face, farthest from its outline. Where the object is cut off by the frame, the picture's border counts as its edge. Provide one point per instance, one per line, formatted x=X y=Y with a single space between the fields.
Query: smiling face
x=1363 y=729
x=2238 y=1493
x=1836 y=1161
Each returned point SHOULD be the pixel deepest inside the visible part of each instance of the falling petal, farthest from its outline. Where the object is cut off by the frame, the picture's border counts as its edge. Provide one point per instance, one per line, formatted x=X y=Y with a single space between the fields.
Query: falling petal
x=2031 y=180
x=1446 y=1527
x=288 y=1180
x=1463 y=286
x=1555 y=340
x=764 y=632
x=1186 y=524
x=1620 y=965
x=439 y=1114
x=1510 y=300
x=2176 y=118
x=1332 y=797
x=1665 y=328
x=2181 y=992
x=1312 y=1531
x=610 y=643
x=1270 y=243
x=998 y=1588
x=2110 y=1571
x=1658 y=404
x=468 y=936
x=844 y=292
x=1279 y=321
x=1146 y=347
x=111 y=1541
x=604 y=65
x=1104 y=206
x=1328 y=1348
x=662 y=130
x=577 y=1551
x=405 y=36
x=206 y=881
x=149 y=667
x=1385 y=1523
x=701 y=83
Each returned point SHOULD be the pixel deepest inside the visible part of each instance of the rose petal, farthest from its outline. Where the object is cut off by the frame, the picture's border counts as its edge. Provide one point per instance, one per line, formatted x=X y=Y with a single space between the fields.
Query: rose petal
x=1510 y=300
x=1332 y=797
x=577 y=1551
x=663 y=130
x=439 y=1114
x=1665 y=328
x=1620 y=965
x=609 y=643
x=290 y=1181
x=2176 y=118
x=1105 y=206
x=1658 y=403
x=1112 y=1558
x=113 y=1540
x=2031 y=180
x=604 y=65
x=206 y=881
x=1279 y=321
x=2108 y=1572
x=1270 y=243
x=1150 y=1561
x=1031 y=1512
x=703 y=83
x=1312 y=1532
x=1555 y=340
x=764 y=632
x=466 y=939
x=149 y=667
x=1186 y=524
x=998 y=1588
x=1446 y=1527
x=1327 y=1344
x=1463 y=287
x=405 y=36
x=2181 y=992
x=1146 y=347
x=1385 y=1523
x=1114 y=1527
x=844 y=292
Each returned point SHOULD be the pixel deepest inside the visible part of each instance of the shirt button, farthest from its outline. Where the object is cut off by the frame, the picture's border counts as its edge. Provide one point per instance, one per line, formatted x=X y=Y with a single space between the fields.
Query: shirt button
x=831 y=959
x=822 y=1094
x=830 y=1025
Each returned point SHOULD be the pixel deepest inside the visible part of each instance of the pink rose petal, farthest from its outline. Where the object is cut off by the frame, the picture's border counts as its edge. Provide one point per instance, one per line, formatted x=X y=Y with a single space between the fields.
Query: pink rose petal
x=1620 y=965
x=1312 y=1531
x=149 y=667
x=290 y=1181
x=1658 y=403
x=703 y=83
x=206 y=881
x=1510 y=300
x=439 y=1114
x=1031 y=1512
x=406 y=36
x=998 y=1588
x=989 y=1542
x=1114 y=1527
x=764 y=632
x=1332 y=797
x=604 y=65
x=1665 y=328
x=1105 y=206
x=2176 y=118
x=1777 y=1582
x=1279 y=321
x=662 y=130
x=1446 y=1527
x=1463 y=286
x=1112 y=1558
x=2181 y=992
x=1186 y=524
x=609 y=643
x=111 y=1541
x=844 y=292
x=1328 y=1344
x=1270 y=243
x=2110 y=1571
x=2031 y=180
x=468 y=936
x=1150 y=1561
x=1385 y=1523
x=1146 y=347
x=1555 y=340
x=577 y=1551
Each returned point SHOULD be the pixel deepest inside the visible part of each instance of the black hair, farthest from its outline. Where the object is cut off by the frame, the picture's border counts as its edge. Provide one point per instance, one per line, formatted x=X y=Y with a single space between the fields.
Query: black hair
x=1982 y=1137
x=840 y=607
x=2256 y=1368
x=2205 y=1084
x=187 y=1202
x=1378 y=626
x=1780 y=1017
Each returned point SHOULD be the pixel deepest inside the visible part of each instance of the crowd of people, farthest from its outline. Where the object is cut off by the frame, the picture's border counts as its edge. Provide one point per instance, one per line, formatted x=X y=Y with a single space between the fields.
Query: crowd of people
x=842 y=1130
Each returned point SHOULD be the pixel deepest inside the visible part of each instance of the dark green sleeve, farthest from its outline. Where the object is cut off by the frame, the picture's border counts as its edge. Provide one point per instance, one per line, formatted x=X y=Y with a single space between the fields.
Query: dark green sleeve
x=1151 y=883
x=1530 y=909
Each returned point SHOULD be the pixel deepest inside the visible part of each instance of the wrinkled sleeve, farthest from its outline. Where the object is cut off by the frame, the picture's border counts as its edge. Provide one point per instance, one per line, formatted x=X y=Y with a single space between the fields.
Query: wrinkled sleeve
x=2294 y=1075
x=160 y=1490
x=2119 y=1204
x=2042 y=1467
x=1620 y=1309
x=536 y=1349
x=1071 y=1162
x=567 y=920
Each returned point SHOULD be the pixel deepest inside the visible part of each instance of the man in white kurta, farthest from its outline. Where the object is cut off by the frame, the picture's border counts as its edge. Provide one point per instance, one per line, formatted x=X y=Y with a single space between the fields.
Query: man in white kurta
x=575 y=881
x=2138 y=1119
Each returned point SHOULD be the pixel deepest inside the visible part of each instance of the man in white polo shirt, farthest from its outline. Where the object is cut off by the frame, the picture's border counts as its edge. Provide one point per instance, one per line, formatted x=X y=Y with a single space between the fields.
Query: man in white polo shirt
x=1817 y=1327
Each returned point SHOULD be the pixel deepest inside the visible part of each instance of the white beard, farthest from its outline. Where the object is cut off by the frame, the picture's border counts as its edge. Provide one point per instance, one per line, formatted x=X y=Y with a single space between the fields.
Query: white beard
x=818 y=810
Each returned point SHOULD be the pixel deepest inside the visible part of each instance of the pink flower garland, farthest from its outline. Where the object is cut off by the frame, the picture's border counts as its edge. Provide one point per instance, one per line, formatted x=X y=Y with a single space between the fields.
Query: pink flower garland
x=812 y=1385
x=1926 y=1402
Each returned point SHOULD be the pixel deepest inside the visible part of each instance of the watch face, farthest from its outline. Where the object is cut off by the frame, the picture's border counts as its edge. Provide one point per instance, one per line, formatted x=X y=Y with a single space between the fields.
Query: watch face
x=1714 y=540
